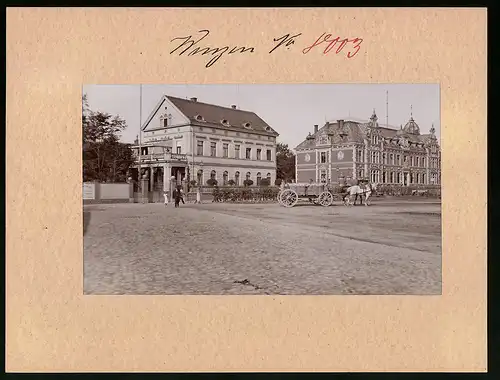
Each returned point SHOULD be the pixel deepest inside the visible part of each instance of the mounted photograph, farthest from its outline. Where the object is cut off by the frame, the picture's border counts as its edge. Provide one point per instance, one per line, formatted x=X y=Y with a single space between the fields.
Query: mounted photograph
x=261 y=189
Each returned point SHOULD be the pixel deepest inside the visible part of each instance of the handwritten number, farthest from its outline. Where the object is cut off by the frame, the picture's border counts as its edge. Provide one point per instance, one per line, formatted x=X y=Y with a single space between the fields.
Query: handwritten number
x=357 y=42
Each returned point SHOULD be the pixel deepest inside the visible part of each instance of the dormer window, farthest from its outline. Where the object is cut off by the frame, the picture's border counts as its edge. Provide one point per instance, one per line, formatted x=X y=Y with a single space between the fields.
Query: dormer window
x=268 y=129
x=199 y=118
x=247 y=126
x=224 y=122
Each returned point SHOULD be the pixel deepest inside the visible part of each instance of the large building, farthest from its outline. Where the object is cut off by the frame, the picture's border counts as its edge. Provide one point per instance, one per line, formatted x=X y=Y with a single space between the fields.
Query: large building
x=348 y=149
x=191 y=140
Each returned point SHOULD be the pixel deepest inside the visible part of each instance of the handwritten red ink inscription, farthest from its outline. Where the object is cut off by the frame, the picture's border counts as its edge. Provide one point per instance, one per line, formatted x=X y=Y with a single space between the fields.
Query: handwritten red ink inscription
x=353 y=45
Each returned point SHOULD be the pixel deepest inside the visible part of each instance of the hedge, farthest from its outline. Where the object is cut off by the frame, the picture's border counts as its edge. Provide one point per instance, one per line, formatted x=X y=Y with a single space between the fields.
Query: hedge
x=245 y=194
x=433 y=191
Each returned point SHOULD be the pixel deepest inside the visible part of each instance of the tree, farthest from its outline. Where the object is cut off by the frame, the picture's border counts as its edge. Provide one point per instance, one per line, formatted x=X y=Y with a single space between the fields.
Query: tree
x=105 y=158
x=285 y=163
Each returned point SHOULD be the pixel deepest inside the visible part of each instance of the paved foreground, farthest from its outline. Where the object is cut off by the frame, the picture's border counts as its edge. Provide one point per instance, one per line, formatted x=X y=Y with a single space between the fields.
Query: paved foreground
x=392 y=247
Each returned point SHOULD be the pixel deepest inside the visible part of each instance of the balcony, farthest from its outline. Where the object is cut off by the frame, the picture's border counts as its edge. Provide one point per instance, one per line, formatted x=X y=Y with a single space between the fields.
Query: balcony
x=161 y=157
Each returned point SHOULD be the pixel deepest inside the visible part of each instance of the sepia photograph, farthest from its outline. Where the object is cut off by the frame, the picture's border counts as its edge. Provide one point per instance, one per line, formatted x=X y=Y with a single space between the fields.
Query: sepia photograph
x=261 y=189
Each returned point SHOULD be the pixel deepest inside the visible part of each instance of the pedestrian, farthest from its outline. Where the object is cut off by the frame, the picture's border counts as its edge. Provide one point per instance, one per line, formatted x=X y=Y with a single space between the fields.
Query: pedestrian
x=165 y=196
x=182 y=195
x=177 y=196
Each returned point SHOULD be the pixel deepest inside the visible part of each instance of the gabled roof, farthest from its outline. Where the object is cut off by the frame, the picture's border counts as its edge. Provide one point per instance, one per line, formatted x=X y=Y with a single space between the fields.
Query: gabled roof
x=213 y=115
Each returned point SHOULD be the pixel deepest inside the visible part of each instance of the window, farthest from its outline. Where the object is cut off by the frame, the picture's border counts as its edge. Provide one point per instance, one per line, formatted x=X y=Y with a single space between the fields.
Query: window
x=213 y=174
x=144 y=151
x=323 y=158
x=248 y=153
x=392 y=177
x=237 y=178
x=398 y=177
x=224 y=178
x=391 y=158
x=225 y=150
x=417 y=161
x=199 y=148
x=213 y=149
x=199 y=177
x=384 y=177
x=236 y=151
x=423 y=179
x=165 y=122
x=359 y=154
x=269 y=155
x=178 y=148
x=323 y=176
x=259 y=151
x=248 y=176
x=268 y=176
x=384 y=158
x=259 y=177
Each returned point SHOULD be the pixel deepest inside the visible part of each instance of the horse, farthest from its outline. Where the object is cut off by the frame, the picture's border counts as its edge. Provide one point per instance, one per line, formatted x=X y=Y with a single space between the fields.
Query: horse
x=352 y=192
x=370 y=188
x=356 y=191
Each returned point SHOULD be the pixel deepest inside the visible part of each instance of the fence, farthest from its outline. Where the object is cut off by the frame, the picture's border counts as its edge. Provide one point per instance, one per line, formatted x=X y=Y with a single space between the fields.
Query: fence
x=95 y=192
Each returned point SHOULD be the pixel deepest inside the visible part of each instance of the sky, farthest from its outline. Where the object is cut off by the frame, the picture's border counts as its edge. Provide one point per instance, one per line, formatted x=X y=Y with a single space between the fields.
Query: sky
x=290 y=109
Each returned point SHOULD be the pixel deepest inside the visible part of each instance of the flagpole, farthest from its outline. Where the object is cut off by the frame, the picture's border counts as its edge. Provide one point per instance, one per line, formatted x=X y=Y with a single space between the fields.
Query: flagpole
x=140 y=134
x=387 y=108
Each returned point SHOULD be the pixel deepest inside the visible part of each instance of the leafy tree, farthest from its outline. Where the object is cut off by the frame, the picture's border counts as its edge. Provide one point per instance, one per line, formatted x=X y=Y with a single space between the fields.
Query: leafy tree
x=247 y=182
x=105 y=158
x=211 y=182
x=285 y=162
x=231 y=182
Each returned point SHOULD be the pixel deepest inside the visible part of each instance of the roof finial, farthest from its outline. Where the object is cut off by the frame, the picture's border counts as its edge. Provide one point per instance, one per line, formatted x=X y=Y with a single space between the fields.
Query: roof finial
x=433 y=130
x=411 y=111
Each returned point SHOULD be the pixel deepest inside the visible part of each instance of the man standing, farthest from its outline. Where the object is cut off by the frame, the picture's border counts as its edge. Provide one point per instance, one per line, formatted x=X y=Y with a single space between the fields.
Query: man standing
x=177 y=195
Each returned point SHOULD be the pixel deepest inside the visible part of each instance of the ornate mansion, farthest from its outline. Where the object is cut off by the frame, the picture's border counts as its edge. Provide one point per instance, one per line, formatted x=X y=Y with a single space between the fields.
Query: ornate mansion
x=348 y=149
x=185 y=140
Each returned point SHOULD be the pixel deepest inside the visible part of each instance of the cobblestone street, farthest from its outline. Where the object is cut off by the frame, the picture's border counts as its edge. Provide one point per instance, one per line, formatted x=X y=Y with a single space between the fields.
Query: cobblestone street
x=392 y=247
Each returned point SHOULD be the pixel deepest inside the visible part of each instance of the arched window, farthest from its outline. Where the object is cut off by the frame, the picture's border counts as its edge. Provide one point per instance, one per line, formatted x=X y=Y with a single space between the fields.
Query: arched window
x=237 y=178
x=199 y=177
x=268 y=176
x=224 y=178
x=248 y=176
x=423 y=178
x=213 y=174
x=259 y=177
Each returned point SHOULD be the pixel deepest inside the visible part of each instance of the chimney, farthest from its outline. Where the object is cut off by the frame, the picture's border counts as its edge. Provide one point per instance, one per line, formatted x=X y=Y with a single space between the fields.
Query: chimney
x=233 y=106
x=341 y=123
x=194 y=99
x=315 y=128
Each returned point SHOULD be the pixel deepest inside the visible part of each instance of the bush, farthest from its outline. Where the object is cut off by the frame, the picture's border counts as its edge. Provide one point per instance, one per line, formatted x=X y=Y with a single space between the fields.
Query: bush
x=193 y=182
x=247 y=182
x=277 y=182
x=245 y=194
x=212 y=182
x=433 y=191
x=265 y=182
x=231 y=182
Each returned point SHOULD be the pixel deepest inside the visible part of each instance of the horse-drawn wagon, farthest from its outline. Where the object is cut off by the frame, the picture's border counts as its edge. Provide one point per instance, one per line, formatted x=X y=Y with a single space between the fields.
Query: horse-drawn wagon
x=316 y=193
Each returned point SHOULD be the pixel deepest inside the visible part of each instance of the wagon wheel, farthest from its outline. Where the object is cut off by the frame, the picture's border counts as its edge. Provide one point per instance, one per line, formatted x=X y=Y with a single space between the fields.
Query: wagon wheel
x=325 y=199
x=279 y=197
x=289 y=198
